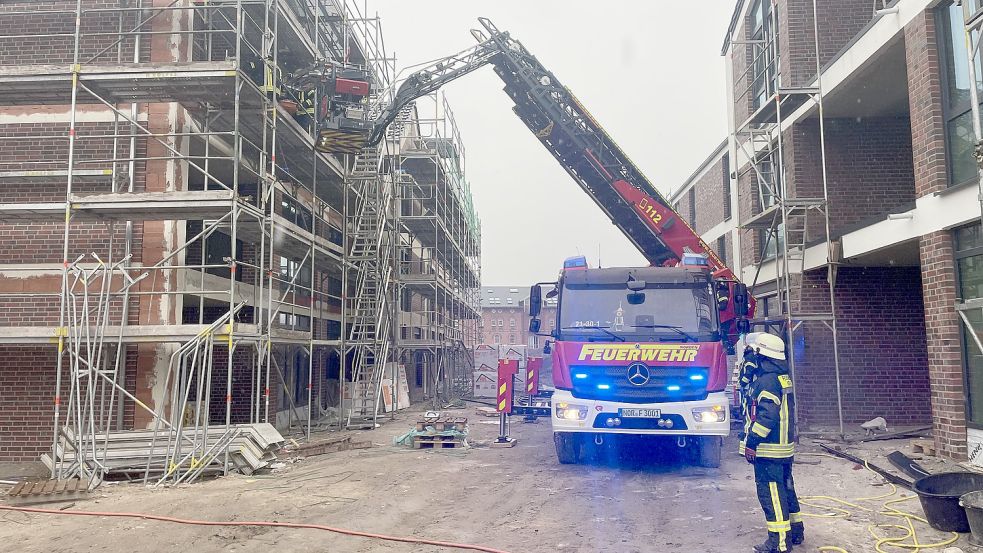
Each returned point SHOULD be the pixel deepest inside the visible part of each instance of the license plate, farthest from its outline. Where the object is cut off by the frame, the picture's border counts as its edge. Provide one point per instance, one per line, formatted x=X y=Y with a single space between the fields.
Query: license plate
x=639 y=413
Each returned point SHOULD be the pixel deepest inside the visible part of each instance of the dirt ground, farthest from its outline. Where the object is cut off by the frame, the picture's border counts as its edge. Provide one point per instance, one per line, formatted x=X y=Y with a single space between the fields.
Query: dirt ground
x=518 y=500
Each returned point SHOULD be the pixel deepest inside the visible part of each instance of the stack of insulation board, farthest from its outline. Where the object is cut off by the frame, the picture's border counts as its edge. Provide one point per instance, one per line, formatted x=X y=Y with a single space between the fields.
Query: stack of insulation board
x=126 y=454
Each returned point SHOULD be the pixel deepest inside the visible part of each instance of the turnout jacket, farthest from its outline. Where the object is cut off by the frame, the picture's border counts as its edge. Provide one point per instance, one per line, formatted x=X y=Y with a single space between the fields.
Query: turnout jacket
x=769 y=404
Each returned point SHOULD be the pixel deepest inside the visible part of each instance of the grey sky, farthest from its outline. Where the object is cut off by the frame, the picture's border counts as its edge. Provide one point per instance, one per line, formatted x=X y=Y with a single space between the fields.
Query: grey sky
x=650 y=71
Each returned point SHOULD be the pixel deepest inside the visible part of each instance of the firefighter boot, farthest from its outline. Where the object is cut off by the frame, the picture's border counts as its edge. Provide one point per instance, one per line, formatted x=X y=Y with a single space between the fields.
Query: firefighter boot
x=773 y=545
x=798 y=533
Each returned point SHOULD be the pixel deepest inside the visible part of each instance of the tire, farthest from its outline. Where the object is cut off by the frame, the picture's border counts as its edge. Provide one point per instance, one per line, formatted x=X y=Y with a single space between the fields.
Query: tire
x=566 y=447
x=708 y=452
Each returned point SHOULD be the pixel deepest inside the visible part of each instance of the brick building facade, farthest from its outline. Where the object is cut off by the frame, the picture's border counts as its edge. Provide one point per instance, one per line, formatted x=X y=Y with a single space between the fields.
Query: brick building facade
x=903 y=213
x=175 y=116
x=505 y=316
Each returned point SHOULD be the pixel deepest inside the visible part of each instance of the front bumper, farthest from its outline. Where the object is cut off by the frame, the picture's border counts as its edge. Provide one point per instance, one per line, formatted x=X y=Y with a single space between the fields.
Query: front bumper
x=680 y=412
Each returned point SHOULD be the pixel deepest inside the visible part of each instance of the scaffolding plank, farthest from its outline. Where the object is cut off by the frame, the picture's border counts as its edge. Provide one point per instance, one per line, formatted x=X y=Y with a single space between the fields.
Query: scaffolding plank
x=132 y=334
x=44 y=174
x=790 y=100
x=190 y=82
x=144 y=206
x=764 y=220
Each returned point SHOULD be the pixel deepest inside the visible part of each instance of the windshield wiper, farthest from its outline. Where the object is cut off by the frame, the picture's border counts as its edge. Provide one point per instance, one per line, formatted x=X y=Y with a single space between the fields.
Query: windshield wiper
x=676 y=329
x=601 y=328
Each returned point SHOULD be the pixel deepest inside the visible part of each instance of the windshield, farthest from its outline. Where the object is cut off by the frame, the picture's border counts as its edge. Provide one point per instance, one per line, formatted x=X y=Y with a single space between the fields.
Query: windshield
x=666 y=311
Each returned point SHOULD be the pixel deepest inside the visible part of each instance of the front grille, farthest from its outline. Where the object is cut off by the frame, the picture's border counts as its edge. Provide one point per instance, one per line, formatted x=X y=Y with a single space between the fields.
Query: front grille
x=611 y=383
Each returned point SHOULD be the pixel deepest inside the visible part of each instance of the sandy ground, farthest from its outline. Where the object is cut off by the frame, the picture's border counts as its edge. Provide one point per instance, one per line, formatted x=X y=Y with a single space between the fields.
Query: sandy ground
x=517 y=500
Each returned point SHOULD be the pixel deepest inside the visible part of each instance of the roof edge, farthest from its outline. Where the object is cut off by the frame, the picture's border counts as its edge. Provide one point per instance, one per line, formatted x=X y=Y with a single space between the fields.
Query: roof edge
x=699 y=170
x=733 y=25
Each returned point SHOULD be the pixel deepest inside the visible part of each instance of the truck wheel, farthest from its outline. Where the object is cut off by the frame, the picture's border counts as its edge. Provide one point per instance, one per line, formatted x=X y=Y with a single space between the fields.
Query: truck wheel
x=708 y=451
x=566 y=447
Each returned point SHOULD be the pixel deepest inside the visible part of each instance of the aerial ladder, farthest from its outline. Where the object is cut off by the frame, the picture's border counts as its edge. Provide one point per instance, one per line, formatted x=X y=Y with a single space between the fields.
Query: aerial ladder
x=562 y=125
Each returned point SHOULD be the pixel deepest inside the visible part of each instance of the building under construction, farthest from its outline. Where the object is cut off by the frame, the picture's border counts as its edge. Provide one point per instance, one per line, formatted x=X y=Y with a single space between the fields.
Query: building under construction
x=179 y=258
x=846 y=196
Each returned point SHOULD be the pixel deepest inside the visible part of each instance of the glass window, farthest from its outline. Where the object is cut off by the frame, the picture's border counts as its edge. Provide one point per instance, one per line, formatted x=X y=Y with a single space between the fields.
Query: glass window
x=960 y=137
x=722 y=248
x=764 y=49
x=969 y=271
x=687 y=307
x=961 y=141
x=771 y=241
x=767 y=180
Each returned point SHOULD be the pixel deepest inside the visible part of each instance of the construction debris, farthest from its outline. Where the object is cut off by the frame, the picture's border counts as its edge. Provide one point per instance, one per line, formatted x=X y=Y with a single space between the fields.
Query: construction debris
x=487 y=411
x=892 y=478
x=147 y=455
x=925 y=447
x=872 y=426
x=909 y=433
x=331 y=445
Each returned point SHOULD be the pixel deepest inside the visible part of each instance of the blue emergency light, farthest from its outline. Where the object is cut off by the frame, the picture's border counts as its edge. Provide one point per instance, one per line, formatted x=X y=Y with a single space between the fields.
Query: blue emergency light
x=578 y=262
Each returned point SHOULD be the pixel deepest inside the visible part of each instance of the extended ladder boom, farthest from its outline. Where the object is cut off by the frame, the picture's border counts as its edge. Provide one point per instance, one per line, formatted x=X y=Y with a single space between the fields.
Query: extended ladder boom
x=565 y=127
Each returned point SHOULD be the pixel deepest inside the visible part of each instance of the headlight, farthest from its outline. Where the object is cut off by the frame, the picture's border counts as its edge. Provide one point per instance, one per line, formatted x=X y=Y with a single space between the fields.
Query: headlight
x=714 y=413
x=570 y=411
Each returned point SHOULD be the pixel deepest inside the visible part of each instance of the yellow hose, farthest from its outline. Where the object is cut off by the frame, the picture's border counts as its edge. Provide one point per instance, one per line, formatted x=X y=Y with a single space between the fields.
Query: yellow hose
x=887 y=509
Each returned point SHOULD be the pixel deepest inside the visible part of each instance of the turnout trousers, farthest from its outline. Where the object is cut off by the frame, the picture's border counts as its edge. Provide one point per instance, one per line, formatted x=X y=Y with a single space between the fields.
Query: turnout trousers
x=776 y=492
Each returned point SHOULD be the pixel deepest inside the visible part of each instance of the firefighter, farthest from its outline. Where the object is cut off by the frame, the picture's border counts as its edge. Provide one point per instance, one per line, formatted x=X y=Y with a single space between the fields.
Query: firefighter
x=305 y=109
x=768 y=440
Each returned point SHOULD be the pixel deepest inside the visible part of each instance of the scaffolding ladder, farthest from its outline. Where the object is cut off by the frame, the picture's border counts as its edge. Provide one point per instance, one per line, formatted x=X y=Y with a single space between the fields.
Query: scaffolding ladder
x=789 y=219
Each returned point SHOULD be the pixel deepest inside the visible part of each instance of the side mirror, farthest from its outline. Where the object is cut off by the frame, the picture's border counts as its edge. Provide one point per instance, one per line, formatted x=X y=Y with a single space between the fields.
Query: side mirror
x=741 y=302
x=535 y=325
x=547 y=347
x=723 y=296
x=636 y=298
x=535 y=302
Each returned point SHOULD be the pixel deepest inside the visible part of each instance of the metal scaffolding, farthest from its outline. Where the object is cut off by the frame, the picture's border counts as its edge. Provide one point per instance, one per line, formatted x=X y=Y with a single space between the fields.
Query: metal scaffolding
x=205 y=246
x=787 y=218
x=439 y=251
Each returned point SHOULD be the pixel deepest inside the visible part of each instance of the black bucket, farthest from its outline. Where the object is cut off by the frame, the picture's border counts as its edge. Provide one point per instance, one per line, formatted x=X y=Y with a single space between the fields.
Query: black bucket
x=939 y=495
x=973 y=503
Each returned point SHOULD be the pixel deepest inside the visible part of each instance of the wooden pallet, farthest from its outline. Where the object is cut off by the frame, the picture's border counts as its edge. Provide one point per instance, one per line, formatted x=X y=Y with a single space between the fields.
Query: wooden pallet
x=38 y=492
x=925 y=447
x=443 y=424
x=437 y=442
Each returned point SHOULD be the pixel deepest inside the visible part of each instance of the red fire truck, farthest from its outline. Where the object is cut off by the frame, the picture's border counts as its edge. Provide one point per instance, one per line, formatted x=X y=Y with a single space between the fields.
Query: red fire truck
x=636 y=350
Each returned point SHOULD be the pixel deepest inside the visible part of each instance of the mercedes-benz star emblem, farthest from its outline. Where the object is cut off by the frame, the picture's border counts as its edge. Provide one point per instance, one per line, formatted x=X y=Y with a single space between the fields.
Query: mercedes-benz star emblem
x=638 y=374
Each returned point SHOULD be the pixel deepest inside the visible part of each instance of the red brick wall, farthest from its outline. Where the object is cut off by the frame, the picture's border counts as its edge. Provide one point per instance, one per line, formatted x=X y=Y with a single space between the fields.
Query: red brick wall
x=839 y=22
x=27 y=388
x=27 y=384
x=883 y=359
x=936 y=249
x=709 y=198
x=925 y=104
x=869 y=169
x=943 y=338
x=59 y=49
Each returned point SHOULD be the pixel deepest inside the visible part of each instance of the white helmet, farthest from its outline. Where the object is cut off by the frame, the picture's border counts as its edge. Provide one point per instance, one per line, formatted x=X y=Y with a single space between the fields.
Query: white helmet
x=766 y=344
